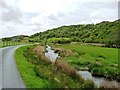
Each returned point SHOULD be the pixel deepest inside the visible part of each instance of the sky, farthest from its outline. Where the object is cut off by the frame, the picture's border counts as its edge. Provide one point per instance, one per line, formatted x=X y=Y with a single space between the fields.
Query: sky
x=27 y=17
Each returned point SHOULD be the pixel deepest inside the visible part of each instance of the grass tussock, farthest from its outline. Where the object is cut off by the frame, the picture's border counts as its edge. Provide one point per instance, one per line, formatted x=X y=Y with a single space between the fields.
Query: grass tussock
x=66 y=68
x=39 y=51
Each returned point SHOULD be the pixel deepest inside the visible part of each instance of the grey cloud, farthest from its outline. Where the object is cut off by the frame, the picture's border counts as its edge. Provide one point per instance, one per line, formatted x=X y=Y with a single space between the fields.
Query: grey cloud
x=83 y=12
x=56 y=17
x=30 y=15
x=38 y=27
x=11 y=28
x=3 y=4
x=96 y=5
x=61 y=14
x=9 y=13
x=53 y=17
x=119 y=10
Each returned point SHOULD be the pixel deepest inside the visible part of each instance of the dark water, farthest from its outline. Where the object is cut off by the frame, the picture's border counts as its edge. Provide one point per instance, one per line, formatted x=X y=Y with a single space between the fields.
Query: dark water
x=84 y=74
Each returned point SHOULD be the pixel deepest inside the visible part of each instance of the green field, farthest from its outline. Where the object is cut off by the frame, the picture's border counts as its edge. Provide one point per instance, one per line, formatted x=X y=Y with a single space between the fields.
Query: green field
x=101 y=61
x=8 y=43
x=38 y=72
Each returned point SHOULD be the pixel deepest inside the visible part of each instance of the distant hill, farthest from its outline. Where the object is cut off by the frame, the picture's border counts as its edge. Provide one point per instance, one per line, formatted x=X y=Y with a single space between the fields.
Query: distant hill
x=105 y=33
x=18 y=38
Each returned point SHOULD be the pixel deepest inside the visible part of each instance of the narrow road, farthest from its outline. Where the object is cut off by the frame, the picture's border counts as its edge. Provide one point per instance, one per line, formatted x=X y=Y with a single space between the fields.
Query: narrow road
x=10 y=75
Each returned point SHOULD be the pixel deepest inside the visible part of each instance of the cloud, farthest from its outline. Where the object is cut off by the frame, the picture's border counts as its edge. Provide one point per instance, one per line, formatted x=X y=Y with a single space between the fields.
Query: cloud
x=9 y=13
x=119 y=9
x=3 y=4
x=53 y=17
x=11 y=28
x=79 y=13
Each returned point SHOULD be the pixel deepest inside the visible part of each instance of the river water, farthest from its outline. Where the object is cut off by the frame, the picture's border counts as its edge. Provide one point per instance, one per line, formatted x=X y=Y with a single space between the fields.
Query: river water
x=50 y=54
x=84 y=74
x=99 y=81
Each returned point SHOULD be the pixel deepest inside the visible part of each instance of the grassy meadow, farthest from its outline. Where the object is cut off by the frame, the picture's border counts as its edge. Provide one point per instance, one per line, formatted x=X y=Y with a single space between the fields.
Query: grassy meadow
x=100 y=61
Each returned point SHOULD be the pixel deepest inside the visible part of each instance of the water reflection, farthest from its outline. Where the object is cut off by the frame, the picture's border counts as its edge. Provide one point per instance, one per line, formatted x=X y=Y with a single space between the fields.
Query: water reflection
x=50 y=54
x=98 y=81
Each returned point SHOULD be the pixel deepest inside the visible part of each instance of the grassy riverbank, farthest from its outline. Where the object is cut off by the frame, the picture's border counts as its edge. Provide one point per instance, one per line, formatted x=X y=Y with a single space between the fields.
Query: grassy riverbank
x=101 y=61
x=26 y=70
x=38 y=72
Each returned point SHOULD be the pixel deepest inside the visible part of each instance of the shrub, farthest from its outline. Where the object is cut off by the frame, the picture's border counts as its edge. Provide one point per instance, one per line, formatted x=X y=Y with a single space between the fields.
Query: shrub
x=98 y=72
x=66 y=68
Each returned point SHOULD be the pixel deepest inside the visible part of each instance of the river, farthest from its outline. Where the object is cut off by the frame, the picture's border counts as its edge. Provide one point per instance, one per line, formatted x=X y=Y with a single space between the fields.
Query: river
x=50 y=54
x=84 y=74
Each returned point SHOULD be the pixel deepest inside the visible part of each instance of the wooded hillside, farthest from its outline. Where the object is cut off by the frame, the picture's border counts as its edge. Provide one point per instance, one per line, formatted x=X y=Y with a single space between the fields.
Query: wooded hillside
x=105 y=33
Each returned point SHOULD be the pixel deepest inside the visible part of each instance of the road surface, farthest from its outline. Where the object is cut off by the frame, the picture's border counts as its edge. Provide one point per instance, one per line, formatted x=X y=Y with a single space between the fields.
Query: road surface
x=10 y=77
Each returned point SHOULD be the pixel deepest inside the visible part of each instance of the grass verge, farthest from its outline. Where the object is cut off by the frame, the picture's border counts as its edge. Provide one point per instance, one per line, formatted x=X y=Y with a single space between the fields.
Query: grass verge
x=26 y=70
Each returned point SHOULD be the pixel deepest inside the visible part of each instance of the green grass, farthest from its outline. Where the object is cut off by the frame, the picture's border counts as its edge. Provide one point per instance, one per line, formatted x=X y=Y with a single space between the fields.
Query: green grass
x=101 y=61
x=0 y=44
x=8 y=43
x=26 y=70
x=39 y=73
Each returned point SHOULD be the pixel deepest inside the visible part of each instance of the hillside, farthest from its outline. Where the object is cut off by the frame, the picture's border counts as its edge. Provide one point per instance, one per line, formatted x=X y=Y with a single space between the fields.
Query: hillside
x=105 y=33
x=18 y=38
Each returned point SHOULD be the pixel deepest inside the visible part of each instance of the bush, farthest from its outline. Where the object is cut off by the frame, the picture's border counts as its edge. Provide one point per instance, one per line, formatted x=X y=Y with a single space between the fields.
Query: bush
x=59 y=40
x=98 y=72
x=66 y=68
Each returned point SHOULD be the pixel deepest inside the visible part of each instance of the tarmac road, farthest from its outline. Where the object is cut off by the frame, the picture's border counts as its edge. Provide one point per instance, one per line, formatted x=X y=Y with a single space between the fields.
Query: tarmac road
x=9 y=75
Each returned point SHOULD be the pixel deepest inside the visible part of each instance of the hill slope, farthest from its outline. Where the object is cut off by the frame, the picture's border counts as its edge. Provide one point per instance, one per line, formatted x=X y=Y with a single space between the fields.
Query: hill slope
x=105 y=32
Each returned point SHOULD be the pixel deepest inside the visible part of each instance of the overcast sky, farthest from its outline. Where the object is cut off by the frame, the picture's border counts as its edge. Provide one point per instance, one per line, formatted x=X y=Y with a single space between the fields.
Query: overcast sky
x=30 y=16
